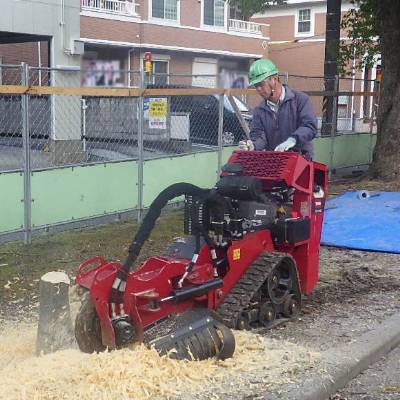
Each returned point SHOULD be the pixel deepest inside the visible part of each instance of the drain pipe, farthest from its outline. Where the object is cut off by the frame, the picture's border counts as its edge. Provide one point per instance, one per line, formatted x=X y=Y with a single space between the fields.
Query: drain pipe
x=62 y=25
x=40 y=63
x=129 y=66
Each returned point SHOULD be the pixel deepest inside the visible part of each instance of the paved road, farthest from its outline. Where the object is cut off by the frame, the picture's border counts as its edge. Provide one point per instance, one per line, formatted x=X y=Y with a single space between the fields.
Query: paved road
x=379 y=382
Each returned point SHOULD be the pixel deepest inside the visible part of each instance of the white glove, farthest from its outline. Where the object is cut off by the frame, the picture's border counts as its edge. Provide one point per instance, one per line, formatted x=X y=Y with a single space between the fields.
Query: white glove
x=246 y=145
x=286 y=145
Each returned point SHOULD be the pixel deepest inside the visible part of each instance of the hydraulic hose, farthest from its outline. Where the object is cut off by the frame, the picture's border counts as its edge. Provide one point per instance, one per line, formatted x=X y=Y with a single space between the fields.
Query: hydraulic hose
x=175 y=190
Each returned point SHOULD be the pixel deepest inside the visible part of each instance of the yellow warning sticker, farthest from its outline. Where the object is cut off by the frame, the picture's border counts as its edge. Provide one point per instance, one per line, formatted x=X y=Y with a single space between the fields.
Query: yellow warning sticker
x=236 y=254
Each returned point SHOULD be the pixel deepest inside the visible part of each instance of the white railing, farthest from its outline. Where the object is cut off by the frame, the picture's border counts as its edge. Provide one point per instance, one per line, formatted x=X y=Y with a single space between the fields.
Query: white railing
x=121 y=7
x=238 y=25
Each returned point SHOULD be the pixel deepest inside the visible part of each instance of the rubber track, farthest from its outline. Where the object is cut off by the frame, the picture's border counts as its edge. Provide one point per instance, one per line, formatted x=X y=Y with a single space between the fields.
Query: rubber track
x=247 y=286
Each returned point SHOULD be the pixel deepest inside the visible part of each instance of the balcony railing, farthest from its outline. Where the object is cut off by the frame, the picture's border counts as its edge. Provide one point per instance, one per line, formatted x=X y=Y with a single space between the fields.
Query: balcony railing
x=120 y=7
x=237 y=25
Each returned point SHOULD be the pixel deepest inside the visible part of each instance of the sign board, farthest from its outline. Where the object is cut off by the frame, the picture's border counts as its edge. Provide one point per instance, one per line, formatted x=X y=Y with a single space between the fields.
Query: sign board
x=158 y=113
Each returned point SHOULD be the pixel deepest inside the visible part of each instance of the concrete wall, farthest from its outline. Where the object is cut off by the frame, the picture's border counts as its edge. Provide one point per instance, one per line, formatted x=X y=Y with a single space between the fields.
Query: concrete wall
x=59 y=20
x=45 y=17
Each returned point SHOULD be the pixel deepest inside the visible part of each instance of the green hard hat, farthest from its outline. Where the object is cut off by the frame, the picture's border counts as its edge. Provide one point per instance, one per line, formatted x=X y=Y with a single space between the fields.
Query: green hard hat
x=260 y=70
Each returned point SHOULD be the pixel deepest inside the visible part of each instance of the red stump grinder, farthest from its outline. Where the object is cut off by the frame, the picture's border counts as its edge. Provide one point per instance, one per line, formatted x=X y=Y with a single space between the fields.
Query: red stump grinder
x=251 y=249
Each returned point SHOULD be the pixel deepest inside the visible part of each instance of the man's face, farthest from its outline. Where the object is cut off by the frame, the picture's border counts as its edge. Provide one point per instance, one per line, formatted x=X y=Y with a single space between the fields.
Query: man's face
x=266 y=88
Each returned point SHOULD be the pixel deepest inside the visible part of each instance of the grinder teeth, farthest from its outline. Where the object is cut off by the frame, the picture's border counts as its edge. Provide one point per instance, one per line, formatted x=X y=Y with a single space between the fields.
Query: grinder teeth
x=194 y=339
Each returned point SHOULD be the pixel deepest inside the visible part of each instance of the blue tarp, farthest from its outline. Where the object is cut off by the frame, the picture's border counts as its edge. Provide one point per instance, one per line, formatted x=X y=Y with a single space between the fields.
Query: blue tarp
x=363 y=220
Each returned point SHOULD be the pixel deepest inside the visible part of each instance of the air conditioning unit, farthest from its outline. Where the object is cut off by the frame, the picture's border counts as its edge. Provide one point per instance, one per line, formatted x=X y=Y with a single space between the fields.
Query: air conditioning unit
x=77 y=47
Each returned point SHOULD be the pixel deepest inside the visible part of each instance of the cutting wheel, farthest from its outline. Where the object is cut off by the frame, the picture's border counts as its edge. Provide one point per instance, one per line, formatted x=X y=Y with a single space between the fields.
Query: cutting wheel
x=193 y=335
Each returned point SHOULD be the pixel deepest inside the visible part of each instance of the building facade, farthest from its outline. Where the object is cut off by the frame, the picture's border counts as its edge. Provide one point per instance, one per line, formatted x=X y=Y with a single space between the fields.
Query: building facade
x=297 y=46
x=191 y=37
x=109 y=37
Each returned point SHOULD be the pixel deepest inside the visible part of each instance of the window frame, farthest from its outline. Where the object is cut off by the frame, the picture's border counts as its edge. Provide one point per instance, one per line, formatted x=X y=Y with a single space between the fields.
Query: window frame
x=167 y=73
x=214 y=27
x=297 y=21
x=176 y=21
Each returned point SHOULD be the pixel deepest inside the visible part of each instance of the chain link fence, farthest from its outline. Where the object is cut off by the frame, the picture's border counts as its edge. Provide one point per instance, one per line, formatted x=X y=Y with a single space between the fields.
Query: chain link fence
x=70 y=129
x=353 y=112
x=11 y=120
x=52 y=118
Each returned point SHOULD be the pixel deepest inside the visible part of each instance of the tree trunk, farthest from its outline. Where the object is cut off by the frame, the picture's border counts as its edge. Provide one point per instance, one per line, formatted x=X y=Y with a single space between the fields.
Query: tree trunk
x=55 y=330
x=386 y=158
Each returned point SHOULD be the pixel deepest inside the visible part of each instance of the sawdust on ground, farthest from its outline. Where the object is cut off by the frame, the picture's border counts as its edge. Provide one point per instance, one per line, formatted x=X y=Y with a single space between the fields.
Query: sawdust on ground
x=138 y=373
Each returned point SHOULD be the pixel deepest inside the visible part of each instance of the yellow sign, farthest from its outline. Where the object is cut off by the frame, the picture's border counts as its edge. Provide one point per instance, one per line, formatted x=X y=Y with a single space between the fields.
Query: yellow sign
x=236 y=254
x=158 y=108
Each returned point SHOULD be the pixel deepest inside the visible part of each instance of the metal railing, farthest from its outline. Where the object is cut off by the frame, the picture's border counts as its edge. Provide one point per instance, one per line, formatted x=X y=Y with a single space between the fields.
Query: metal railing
x=237 y=25
x=111 y=6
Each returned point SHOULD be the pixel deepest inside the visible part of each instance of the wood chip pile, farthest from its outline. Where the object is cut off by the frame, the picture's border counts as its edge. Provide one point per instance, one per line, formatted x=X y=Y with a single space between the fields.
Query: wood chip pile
x=138 y=373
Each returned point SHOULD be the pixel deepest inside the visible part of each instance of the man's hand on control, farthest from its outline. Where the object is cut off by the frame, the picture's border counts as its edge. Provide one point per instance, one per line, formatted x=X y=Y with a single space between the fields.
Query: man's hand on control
x=286 y=145
x=246 y=145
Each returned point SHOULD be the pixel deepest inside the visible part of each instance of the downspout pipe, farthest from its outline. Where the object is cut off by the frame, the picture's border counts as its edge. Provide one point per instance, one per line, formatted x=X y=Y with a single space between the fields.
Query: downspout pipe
x=129 y=66
x=62 y=25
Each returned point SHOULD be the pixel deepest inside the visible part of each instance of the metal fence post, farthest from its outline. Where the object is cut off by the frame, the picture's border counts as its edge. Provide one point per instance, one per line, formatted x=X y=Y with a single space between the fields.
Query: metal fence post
x=220 y=129
x=140 y=150
x=84 y=107
x=334 y=124
x=373 y=119
x=26 y=147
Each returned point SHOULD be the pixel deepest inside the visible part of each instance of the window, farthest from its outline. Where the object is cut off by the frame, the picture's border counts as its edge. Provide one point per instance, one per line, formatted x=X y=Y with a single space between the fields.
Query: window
x=205 y=71
x=165 y=9
x=160 y=72
x=304 y=21
x=214 y=12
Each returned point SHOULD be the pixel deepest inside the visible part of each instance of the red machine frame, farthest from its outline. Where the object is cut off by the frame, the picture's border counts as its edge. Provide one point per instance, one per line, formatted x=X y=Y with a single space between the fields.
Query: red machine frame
x=158 y=276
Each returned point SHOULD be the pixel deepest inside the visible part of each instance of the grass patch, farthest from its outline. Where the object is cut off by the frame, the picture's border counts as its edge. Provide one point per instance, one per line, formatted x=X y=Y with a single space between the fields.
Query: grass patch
x=21 y=265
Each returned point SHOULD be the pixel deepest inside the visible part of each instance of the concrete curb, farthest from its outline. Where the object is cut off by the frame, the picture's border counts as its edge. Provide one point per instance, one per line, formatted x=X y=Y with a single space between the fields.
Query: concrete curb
x=345 y=363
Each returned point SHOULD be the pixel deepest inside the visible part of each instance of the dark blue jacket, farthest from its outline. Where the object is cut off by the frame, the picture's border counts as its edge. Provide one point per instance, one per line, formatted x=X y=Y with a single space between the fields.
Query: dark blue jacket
x=295 y=117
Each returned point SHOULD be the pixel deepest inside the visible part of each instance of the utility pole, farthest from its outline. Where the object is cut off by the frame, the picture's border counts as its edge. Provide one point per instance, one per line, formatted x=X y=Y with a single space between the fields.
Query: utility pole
x=332 y=39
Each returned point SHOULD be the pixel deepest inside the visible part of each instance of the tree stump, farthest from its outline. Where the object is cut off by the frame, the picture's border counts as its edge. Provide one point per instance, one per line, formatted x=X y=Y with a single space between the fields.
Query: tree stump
x=55 y=330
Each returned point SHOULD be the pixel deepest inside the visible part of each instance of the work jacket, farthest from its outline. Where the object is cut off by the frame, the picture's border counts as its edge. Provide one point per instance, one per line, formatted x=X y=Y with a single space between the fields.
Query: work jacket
x=295 y=117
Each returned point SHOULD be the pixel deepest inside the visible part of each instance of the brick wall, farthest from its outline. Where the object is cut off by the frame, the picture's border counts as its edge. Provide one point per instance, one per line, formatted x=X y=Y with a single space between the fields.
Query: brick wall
x=108 y=29
x=105 y=29
x=16 y=53
x=304 y=58
x=283 y=27
x=190 y=12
